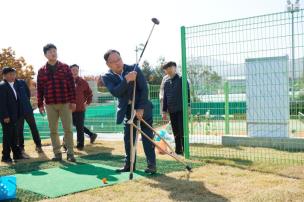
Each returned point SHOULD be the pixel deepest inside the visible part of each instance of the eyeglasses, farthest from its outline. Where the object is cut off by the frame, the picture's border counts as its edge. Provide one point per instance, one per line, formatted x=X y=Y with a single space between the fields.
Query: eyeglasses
x=114 y=61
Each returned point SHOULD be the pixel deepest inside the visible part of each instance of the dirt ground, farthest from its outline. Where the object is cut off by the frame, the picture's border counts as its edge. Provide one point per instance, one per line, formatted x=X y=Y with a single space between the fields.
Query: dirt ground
x=213 y=182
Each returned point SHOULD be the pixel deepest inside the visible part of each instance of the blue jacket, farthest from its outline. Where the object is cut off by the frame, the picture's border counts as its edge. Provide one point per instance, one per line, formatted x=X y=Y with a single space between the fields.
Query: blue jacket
x=122 y=90
x=25 y=97
x=9 y=106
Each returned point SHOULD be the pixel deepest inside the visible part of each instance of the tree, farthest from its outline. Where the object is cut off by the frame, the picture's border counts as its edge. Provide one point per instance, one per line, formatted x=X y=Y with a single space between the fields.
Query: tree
x=154 y=75
x=147 y=71
x=158 y=72
x=203 y=80
x=23 y=70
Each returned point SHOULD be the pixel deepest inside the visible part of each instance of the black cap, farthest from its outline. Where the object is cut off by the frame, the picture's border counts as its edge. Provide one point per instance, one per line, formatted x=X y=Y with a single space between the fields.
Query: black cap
x=6 y=70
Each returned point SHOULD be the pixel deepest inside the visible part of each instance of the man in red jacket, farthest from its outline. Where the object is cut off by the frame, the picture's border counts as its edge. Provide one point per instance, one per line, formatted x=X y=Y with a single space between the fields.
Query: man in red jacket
x=56 y=92
x=83 y=99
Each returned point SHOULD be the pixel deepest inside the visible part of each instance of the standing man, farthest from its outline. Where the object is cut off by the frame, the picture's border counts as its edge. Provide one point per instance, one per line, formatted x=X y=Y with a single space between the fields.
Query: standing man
x=173 y=104
x=161 y=93
x=28 y=115
x=119 y=81
x=56 y=92
x=83 y=99
x=10 y=108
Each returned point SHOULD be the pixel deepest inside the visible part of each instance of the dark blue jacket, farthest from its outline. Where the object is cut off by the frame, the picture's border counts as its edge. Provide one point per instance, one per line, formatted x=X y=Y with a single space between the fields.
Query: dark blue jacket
x=173 y=96
x=9 y=106
x=122 y=90
x=25 y=97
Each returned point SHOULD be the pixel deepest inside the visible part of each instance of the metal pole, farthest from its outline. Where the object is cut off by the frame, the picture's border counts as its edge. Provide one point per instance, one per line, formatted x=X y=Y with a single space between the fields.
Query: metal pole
x=185 y=93
x=226 y=92
x=293 y=54
x=136 y=50
x=292 y=8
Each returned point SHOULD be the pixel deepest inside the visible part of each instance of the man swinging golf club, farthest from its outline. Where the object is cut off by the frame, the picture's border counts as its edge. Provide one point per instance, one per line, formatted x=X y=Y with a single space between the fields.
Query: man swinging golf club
x=119 y=81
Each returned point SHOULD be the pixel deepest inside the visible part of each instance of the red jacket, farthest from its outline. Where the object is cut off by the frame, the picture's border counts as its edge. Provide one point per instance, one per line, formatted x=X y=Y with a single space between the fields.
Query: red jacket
x=57 y=87
x=83 y=94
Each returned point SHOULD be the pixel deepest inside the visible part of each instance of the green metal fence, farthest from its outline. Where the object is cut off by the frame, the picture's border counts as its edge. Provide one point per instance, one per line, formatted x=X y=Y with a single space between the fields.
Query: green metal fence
x=247 y=88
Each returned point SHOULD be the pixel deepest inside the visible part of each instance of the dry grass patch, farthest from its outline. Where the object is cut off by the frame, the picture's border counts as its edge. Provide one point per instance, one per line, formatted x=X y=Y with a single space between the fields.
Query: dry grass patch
x=220 y=180
x=208 y=183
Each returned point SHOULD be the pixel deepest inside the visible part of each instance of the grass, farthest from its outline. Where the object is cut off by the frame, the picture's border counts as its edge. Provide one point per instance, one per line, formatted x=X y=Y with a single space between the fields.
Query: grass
x=214 y=178
x=93 y=154
x=164 y=166
x=256 y=154
x=208 y=183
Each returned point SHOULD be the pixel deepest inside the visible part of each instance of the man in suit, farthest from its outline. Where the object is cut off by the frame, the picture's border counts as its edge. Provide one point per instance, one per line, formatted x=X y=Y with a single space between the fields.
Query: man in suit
x=119 y=81
x=10 y=108
x=27 y=115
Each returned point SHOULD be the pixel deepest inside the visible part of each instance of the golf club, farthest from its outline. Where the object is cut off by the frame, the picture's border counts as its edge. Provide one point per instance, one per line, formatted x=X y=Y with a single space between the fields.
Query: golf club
x=155 y=22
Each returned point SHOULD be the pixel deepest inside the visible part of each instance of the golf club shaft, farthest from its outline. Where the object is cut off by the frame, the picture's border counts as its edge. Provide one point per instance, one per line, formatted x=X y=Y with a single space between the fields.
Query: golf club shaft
x=145 y=45
x=156 y=145
x=133 y=149
x=133 y=105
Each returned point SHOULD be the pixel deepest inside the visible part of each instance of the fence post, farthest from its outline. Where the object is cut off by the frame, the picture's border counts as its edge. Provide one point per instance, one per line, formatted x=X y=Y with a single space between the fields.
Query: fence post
x=185 y=93
x=226 y=92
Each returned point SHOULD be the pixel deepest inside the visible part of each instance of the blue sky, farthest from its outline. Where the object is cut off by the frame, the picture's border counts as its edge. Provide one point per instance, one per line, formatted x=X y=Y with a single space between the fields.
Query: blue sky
x=83 y=30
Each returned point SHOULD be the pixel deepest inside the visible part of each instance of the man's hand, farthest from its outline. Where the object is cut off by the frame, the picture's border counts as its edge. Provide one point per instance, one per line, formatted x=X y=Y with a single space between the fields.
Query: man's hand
x=6 y=120
x=72 y=107
x=99 y=81
x=139 y=114
x=131 y=76
x=164 y=115
x=42 y=111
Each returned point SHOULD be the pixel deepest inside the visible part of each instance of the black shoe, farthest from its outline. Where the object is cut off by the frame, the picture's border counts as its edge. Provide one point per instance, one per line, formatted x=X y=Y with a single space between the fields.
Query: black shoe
x=39 y=150
x=25 y=156
x=21 y=156
x=124 y=169
x=7 y=160
x=71 y=158
x=80 y=148
x=150 y=170
x=57 y=157
x=93 y=138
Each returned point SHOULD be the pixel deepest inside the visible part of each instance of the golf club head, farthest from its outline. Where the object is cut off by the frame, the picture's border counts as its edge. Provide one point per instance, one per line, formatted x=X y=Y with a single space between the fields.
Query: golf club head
x=155 y=21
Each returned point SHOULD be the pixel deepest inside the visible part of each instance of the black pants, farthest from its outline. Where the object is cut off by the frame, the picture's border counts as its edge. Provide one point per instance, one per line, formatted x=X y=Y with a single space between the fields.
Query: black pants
x=9 y=140
x=30 y=119
x=178 y=131
x=149 y=148
x=78 y=122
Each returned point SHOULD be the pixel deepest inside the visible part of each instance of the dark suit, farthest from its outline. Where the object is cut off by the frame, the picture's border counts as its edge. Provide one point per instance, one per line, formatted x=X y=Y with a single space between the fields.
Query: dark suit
x=9 y=108
x=26 y=113
x=118 y=87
